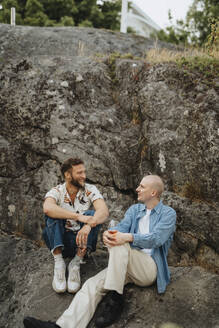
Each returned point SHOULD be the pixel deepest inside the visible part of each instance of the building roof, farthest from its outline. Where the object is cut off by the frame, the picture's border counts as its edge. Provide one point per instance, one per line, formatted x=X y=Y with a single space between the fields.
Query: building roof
x=145 y=16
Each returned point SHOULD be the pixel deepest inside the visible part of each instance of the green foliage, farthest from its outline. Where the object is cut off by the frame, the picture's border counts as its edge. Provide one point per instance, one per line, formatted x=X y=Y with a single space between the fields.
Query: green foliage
x=131 y=30
x=110 y=11
x=199 y=18
x=212 y=44
x=39 y=19
x=112 y=67
x=67 y=21
x=197 y=27
x=56 y=9
x=111 y=62
x=208 y=67
x=33 y=7
x=173 y=34
x=89 y=13
x=86 y=23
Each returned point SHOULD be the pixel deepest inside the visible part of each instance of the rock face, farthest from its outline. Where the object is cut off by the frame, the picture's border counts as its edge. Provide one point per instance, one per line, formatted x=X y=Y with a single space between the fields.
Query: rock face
x=60 y=98
x=191 y=300
x=65 y=93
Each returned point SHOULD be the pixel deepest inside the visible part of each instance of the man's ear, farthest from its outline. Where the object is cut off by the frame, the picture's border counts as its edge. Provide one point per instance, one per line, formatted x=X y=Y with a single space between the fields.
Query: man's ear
x=154 y=193
x=67 y=175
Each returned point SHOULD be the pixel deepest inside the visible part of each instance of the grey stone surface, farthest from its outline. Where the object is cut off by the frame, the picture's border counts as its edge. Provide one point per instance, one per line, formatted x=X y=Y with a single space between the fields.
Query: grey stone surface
x=69 y=42
x=124 y=117
x=191 y=300
x=63 y=95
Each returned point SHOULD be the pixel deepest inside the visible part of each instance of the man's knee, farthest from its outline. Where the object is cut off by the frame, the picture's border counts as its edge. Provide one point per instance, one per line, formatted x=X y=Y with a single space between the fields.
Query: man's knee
x=52 y=226
x=120 y=249
x=53 y=221
x=93 y=237
x=53 y=232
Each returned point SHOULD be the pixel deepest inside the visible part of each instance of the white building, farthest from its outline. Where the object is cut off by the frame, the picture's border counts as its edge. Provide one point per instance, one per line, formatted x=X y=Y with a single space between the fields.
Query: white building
x=139 y=21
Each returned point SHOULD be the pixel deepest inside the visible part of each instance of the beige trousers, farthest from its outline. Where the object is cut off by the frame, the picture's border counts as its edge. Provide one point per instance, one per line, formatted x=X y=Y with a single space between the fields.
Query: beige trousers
x=125 y=265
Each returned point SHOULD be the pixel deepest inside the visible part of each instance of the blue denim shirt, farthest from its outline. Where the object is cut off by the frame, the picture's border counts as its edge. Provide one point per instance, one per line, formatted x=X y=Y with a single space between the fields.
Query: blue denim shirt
x=159 y=238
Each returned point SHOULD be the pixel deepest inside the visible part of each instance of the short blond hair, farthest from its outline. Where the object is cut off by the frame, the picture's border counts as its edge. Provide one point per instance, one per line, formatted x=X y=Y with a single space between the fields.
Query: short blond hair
x=157 y=183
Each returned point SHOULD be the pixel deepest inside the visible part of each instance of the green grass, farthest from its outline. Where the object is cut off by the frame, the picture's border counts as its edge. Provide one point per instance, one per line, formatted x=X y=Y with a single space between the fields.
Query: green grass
x=208 y=67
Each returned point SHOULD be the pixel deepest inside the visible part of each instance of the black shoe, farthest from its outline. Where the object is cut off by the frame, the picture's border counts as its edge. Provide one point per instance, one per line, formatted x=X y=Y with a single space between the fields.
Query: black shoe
x=30 y=322
x=110 y=309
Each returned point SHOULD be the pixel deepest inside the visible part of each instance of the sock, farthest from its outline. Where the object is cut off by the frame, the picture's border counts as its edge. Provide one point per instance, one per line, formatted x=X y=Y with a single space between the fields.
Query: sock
x=59 y=261
x=76 y=260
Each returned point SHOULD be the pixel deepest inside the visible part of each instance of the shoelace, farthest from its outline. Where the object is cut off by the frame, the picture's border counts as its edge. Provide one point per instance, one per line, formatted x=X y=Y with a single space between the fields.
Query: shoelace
x=74 y=273
x=60 y=273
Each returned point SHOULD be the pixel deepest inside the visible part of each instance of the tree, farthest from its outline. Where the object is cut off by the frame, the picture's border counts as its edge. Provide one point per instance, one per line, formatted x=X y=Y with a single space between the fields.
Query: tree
x=110 y=10
x=5 y=13
x=35 y=14
x=56 y=9
x=174 y=34
x=86 y=23
x=197 y=26
x=33 y=7
x=67 y=21
x=96 y=13
x=201 y=15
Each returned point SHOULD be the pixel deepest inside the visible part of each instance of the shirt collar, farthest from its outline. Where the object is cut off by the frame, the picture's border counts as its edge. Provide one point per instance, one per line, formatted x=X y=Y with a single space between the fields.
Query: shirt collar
x=80 y=192
x=158 y=207
x=142 y=207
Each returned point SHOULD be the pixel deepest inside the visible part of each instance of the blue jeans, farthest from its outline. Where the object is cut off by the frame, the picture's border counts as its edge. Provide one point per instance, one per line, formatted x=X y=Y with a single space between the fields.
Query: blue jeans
x=56 y=235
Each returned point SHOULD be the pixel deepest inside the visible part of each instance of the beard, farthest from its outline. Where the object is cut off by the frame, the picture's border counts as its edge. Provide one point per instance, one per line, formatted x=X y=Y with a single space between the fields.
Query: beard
x=76 y=183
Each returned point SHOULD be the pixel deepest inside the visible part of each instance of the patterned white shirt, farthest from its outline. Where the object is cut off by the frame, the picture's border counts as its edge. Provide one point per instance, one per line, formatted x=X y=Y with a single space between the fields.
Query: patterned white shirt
x=83 y=200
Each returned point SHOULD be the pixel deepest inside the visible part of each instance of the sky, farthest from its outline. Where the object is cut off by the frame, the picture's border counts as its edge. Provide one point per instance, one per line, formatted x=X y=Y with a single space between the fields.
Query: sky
x=157 y=10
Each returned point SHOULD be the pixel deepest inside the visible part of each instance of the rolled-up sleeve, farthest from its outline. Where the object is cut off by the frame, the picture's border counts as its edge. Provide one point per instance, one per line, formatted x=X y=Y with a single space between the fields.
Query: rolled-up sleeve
x=94 y=193
x=54 y=193
x=160 y=234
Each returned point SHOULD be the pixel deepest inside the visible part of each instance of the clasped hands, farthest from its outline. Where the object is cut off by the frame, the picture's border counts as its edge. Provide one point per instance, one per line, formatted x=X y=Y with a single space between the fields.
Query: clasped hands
x=115 y=238
x=90 y=220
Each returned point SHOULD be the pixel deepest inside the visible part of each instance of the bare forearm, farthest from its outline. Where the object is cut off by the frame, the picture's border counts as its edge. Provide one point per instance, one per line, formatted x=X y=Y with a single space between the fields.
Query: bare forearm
x=100 y=216
x=57 y=212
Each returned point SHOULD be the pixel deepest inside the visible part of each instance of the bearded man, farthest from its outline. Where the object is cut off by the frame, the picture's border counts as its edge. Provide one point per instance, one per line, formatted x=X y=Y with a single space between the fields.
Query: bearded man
x=71 y=228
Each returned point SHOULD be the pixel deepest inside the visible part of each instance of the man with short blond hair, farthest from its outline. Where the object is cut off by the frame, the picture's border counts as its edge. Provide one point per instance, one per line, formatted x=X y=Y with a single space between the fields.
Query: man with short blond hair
x=138 y=248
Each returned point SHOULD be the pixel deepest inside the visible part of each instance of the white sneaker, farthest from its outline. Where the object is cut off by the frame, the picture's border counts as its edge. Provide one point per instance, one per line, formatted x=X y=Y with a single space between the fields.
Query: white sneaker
x=59 y=281
x=74 y=280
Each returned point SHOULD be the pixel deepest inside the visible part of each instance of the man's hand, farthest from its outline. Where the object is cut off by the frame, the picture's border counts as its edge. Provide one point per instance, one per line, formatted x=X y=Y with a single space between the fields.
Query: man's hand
x=92 y=221
x=87 y=220
x=114 y=238
x=82 y=235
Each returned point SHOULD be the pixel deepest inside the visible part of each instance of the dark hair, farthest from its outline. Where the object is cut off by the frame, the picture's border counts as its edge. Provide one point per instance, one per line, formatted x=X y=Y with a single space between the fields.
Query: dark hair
x=69 y=163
